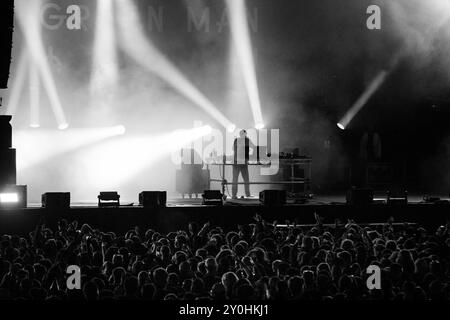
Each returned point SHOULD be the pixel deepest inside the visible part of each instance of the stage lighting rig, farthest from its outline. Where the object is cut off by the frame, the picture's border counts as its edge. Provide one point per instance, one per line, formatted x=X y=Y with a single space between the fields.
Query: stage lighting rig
x=13 y=197
x=108 y=199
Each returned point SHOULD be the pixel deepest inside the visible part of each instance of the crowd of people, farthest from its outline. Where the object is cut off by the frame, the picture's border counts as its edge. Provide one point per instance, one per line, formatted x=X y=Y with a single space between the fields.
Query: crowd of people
x=258 y=261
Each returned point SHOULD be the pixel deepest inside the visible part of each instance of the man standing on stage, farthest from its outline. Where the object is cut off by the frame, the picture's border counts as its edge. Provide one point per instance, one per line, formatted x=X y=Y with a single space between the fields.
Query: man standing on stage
x=241 y=149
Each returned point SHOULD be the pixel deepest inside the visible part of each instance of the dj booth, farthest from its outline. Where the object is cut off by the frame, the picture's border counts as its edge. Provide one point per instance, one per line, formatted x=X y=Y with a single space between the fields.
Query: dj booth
x=293 y=174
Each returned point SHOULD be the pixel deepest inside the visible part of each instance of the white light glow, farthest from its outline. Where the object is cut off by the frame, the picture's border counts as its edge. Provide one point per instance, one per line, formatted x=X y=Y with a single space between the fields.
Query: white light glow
x=259 y=126
x=340 y=126
x=35 y=96
x=105 y=72
x=28 y=14
x=241 y=36
x=63 y=126
x=363 y=99
x=136 y=44
x=231 y=128
x=110 y=164
x=18 y=82
x=9 y=198
x=36 y=147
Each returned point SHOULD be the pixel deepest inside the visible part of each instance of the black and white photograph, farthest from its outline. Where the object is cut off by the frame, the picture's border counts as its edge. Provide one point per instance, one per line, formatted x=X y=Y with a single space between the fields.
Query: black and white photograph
x=226 y=159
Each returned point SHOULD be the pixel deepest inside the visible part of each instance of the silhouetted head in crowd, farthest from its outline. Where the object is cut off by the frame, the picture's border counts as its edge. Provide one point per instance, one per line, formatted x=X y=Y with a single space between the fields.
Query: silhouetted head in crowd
x=255 y=261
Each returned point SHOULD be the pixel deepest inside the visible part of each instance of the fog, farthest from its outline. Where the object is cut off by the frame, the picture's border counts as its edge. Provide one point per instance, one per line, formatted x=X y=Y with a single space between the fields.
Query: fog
x=313 y=60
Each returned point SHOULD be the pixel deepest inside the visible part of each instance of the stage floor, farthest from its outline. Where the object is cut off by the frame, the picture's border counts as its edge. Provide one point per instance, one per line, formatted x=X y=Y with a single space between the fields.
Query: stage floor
x=179 y=212
x=325 y=199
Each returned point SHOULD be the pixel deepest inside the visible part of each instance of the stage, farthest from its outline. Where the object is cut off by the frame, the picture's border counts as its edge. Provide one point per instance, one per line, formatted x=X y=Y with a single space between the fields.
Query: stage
x=179 y=212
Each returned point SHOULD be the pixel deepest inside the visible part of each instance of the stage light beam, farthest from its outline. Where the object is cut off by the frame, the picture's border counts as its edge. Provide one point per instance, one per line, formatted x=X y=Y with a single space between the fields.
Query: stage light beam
x=135 y=43
x=18 y=82
x=35 y=147
x=363 y=99
x=28 y=14
x=114 y=162
x=105 y=72
x=241 y=35
x=34 y=97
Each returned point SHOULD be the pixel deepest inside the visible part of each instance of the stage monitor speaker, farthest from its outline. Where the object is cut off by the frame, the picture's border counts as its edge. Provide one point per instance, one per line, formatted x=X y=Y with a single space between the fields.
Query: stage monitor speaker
x=153 y=199
x=108 y=199
x=6 y=39
x=360 y=196
x=13 y=197
x=273 y=197
x=397 y=197
x=56 y=200
x=212 y=197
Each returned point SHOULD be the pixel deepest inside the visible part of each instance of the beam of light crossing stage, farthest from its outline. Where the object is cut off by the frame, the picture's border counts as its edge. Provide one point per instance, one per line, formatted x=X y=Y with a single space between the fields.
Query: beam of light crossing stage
x=105 y=72
x=36 y=147
x=136 y=44
x=363 y=99
x=115 y=162
x=18 y=83
x=241 y=35
x=35 y=97
x=28 y=14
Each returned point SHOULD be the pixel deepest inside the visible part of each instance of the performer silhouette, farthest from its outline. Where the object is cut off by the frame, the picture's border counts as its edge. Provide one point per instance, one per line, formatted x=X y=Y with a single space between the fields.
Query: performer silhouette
x=241 y=149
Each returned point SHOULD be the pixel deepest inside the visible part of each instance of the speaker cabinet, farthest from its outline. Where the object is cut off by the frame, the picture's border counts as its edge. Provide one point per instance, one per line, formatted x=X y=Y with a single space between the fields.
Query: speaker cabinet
x=56 y=200
x=153 y=199
x=273 y=197
x=212 y=197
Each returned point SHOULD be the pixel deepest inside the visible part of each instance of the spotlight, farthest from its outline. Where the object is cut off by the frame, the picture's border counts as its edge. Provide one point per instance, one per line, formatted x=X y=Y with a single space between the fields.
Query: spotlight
x=374 y=85
x=243 y=45
x=104 y=163
x=34 y=147
x=13 y=196
x=28 y=14
x=18 y=82
x=105 y=67
x=9 y=198
x=231 y=128
x=121 y=130
x=135 y=43
x=34 y=97
x=208 y=130
x=63 y=126
x=259 y=126
x=108 y=199
x=34 y=125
